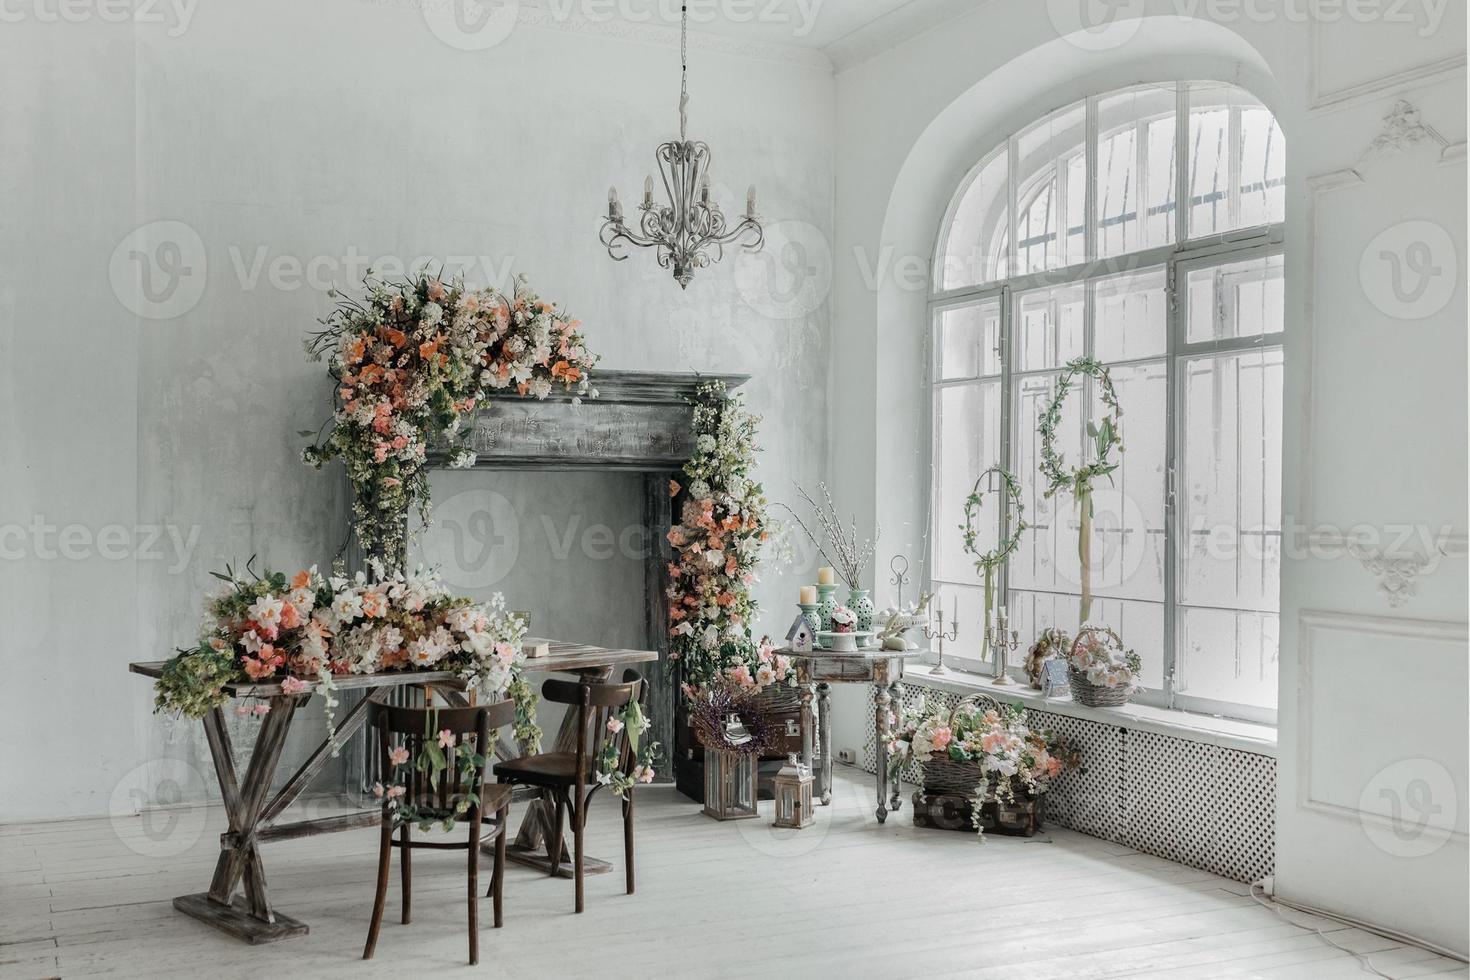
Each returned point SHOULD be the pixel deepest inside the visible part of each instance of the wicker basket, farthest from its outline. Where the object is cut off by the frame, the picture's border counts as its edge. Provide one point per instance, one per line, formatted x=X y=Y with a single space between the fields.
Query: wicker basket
x=1086 y=692
x=944 y=776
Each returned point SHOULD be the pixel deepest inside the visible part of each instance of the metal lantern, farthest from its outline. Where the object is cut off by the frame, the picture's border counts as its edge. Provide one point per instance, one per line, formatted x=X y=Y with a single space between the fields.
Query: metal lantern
x=793 y=787
x=729 y=784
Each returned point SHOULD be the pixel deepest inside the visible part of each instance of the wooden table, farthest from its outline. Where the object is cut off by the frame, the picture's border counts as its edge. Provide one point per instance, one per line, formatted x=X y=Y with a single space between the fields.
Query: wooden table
x=820 y=669
x=252 y=816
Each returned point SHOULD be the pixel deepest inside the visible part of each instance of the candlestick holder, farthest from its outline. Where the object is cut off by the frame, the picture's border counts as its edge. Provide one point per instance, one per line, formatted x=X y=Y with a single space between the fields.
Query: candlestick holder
x=899 y=565
x=811 y=615
x=826 y=605
x=1001 y=641
x=932 y=634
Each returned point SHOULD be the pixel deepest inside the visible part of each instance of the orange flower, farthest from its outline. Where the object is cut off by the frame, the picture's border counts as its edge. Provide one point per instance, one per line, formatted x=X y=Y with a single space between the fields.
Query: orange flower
x=302 y=580
x=674 y=488
x=676 y=537
x=732 y=523
x=429 y=348
x=725 y=598
x=355 y=350
x=395 y=337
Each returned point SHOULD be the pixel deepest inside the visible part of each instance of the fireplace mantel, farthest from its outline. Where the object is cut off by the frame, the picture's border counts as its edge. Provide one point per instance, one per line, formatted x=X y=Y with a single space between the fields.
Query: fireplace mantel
x=640 y=421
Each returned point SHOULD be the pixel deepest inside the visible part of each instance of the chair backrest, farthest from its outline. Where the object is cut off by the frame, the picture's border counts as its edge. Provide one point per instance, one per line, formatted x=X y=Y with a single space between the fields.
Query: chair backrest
x=473 y=729
x=595 y=702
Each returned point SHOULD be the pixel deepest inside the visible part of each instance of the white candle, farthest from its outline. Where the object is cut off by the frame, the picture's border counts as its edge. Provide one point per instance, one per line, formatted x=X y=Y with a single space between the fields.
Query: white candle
x=612 y=202
x=809 y=595
x=704 y=189
x=750 y=202
x=825 y=576
x=648 y=191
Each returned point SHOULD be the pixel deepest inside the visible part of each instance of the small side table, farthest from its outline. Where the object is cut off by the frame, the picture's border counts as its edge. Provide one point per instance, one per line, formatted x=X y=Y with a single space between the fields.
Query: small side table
x=816 y=672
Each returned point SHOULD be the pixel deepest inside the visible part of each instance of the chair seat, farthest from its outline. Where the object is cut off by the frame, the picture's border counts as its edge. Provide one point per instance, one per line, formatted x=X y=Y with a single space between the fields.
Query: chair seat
x=493 y=796
x=546 y=769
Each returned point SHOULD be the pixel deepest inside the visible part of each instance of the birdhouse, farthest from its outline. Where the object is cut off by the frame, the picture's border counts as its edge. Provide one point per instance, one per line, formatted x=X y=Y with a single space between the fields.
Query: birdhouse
x=800 y=638
x=793 y=789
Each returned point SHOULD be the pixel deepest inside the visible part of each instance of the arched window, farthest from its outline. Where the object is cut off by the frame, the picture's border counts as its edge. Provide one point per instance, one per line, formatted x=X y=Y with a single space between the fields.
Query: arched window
x=1069 y=239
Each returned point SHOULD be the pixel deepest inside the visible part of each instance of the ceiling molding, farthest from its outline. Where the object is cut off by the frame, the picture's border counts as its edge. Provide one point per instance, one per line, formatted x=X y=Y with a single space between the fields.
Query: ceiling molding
x=894 y=28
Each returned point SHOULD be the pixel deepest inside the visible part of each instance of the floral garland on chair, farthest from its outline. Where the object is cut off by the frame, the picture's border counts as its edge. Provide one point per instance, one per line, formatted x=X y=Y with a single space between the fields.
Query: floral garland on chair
x=432 y=760
x=305 y=631
x=412 y=361
x=634 y=722
x=718 y=542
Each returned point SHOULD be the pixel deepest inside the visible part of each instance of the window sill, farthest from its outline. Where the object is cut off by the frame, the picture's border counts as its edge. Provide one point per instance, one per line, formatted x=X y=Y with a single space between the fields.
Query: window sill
x=1228 y=733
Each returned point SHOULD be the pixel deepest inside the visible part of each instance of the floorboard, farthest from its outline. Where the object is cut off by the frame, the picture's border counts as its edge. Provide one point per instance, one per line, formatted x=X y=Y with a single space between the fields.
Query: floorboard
x=846 y=897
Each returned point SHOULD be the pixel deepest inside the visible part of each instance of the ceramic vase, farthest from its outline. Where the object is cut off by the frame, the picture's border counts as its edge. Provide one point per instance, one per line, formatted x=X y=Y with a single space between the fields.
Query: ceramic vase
x=860 y=601
x=826 y=605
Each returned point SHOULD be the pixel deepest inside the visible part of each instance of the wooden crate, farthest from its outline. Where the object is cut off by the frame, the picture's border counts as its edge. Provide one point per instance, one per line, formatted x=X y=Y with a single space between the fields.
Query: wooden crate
x=945 y=811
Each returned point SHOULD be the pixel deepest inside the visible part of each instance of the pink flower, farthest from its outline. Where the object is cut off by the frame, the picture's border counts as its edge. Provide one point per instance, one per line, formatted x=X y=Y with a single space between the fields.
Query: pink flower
x=378 y=790
x=614 y=726
x=261 y=709
x=740 y=674
x=398 y=756
x=643 y=774
x=505 y=652
x=293 y=685
x=446 y=738
x=394 y=792
x=942 y=738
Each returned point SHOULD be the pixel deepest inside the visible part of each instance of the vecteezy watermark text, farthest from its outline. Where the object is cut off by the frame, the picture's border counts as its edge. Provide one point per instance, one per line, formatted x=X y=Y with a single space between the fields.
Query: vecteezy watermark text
x=43 y=540
x=175 y=15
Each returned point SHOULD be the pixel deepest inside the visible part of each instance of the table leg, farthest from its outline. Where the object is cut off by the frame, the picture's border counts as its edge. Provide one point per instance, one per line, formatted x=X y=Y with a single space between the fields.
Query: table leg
x=252 y=919
x=531 y=846
x=808 y=747
x=881 y=701
x=824 y=730
x=896 y=706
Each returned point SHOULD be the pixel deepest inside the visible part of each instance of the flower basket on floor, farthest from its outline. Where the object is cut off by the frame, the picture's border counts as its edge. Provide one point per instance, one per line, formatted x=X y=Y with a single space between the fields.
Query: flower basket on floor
x=1100 y=670
x=981 y=759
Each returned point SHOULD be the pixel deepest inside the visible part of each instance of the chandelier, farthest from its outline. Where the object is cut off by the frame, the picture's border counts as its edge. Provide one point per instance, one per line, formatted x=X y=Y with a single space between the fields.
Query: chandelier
x=690 y=231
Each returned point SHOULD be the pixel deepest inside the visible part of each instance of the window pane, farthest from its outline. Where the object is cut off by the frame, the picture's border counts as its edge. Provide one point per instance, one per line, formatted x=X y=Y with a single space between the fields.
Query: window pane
x=1047 y=557
x=1243 y=299
x=1135 y=170
x=1128 y=510
x=968 y=338
x=1237 y=161
x=1262 y=169
x=1131 y=315
x=1226 y=655
x=1229 y=502
x=966 y=443
x=975 y=248
x=1049 y=326
x=1051 y=185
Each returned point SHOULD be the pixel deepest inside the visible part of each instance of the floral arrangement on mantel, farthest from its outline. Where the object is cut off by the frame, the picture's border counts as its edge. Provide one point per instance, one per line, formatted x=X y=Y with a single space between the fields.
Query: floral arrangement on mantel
x=718 y=543
x=987 y=747
x=308 y=630
x=411 y=362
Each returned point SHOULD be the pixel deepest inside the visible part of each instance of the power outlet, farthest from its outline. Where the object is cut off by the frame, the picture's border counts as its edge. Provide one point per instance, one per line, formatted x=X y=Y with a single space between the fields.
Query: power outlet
x=847 y=756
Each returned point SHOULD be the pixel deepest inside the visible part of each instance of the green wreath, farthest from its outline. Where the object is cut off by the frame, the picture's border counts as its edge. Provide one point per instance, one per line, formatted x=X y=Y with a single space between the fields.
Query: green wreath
x=1007 y=546
x=987 y=562
x=1105 y=435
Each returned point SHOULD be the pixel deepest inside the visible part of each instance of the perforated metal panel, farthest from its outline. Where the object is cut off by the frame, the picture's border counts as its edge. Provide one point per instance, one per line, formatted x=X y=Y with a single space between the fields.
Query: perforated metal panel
x=1198 y=804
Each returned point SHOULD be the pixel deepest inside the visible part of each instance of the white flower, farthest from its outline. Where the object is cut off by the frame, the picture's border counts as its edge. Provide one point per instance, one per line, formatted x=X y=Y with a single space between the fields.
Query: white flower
x=765 y=676
x=431 y=315
x=463 y=459
x=540 y=387
x=705 y=443
x=266 y=610
x=347 y=605
x=699 y=489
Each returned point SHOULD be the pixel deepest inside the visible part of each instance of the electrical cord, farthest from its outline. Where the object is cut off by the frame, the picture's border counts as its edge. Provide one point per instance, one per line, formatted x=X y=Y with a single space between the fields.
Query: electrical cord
x=1272 y=902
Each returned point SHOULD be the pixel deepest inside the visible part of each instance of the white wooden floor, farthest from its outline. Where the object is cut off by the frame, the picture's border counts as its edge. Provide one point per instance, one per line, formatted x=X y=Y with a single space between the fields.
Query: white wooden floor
x=845 y=898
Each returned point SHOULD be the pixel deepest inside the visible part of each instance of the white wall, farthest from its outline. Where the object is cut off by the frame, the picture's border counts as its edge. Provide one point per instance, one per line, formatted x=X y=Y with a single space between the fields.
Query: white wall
x=1375 y=431
x=302 y=134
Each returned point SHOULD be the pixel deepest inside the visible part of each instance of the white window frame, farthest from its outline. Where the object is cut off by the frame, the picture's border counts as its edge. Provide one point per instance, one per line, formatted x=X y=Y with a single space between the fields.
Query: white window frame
x=1178 y=259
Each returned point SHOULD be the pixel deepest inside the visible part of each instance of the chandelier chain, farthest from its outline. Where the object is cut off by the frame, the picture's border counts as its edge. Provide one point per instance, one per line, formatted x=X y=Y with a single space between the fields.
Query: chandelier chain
x=684 y=72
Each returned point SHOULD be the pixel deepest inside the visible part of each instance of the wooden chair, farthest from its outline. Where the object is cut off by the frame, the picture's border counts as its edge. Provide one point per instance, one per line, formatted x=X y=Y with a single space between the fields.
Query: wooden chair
x=490 y=807
x=562 y=776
